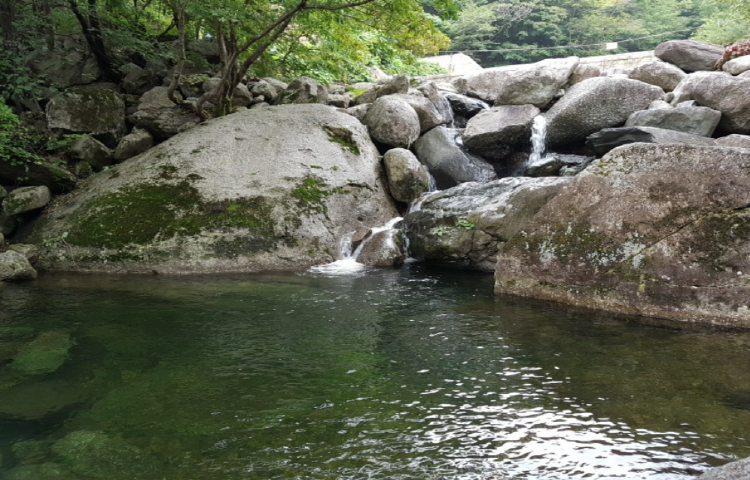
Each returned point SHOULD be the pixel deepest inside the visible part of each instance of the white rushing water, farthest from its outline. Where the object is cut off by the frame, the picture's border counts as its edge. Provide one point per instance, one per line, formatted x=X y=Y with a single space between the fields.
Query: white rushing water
x=538 y=138
x=347 y=263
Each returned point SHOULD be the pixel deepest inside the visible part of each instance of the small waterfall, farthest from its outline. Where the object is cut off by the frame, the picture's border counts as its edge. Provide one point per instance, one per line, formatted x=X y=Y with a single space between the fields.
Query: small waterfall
x=347 y=262
x=538 y=137
x=432 y=184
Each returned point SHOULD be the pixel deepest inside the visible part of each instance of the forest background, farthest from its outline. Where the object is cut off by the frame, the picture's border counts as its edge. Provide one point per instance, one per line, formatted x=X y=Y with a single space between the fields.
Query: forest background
x=329 y=40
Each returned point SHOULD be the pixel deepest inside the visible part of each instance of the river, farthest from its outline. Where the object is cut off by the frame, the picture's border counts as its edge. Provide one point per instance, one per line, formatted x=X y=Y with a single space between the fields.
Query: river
x=415 y=374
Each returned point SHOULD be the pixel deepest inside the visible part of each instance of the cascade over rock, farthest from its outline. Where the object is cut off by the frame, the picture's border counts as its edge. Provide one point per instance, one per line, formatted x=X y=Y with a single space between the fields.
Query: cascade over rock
x=464 y=225
x=597 y=103
x=655 y=230
x=268 y=189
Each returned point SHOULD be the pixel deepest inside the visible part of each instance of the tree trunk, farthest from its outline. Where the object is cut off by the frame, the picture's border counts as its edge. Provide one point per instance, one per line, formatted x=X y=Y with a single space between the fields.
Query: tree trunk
x=92 y=32
x=7 y=19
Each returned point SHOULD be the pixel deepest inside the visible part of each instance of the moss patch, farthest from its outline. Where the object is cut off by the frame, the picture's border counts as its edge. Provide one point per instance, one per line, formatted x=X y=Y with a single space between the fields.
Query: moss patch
x=312 y=192
x=146 y=213
x=343 y=137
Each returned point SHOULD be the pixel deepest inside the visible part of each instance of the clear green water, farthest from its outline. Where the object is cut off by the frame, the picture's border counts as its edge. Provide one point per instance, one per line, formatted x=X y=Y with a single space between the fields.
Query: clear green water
x=410 y=374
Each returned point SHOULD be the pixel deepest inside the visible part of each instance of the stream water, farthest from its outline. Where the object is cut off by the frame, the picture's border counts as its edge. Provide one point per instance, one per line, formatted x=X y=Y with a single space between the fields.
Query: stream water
x=379 y=374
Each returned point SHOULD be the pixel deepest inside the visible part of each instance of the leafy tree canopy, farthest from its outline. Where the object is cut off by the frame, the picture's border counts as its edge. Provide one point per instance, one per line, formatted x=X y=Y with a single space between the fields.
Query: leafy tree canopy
x=531 y=30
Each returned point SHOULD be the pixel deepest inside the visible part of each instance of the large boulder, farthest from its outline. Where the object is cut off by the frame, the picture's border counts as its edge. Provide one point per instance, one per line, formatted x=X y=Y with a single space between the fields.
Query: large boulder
x=536 y=84
x=721 y=92
x=493 y=132
x=654 y=230
x=304 y=90
x=393 y=122
x=662 y=74
x=383 y=248
x=26 y=199
x=694 y=120
x=442 y=151
x=134 y=143
x=160 y=116
x=93 y=110
x=92 y=151
x=464 y=108
x=734 y=140
x=597 y=103
x=428 y=114
x=38 y=172
x=689 y=55
x=485 y=85
x=69 y=63
x=138 y=80
x=737 y=65
x=608 y=139
x=739 y=470
x=14 y=267
x=464 y=226
x=407 y=178
x=385 y=86
x=267 y=189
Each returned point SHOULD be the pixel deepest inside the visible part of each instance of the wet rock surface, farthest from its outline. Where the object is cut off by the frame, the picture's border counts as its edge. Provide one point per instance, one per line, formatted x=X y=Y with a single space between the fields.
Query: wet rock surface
x=655 y=230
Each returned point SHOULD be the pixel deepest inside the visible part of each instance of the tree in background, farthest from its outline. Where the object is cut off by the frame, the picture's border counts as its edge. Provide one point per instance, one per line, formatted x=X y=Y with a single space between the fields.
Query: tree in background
x=531 y=30
x=325 y=39
x=246 y=31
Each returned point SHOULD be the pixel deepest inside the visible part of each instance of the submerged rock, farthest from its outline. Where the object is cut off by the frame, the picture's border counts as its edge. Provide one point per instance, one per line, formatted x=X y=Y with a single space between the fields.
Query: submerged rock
x=45 y=354
x=268 y=189
x=95 y=455
x=654 y=230
x=464 y=226
x=38 y=400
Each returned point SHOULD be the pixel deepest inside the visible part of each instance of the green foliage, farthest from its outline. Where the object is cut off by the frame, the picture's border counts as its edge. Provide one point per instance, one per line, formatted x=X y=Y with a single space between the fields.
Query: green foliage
x=531 y=30
x=725 y=21
x=15 y=143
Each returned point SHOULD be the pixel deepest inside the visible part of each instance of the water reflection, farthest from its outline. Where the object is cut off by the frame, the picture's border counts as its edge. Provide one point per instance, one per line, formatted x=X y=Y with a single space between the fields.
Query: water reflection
x=412 y=374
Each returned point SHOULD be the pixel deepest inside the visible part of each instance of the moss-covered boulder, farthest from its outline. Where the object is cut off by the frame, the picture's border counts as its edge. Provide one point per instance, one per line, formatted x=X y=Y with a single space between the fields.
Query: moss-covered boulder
x=656 y=230
x=26 y=199
x=465 y=225
x=94 y=110
x=268 y=189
